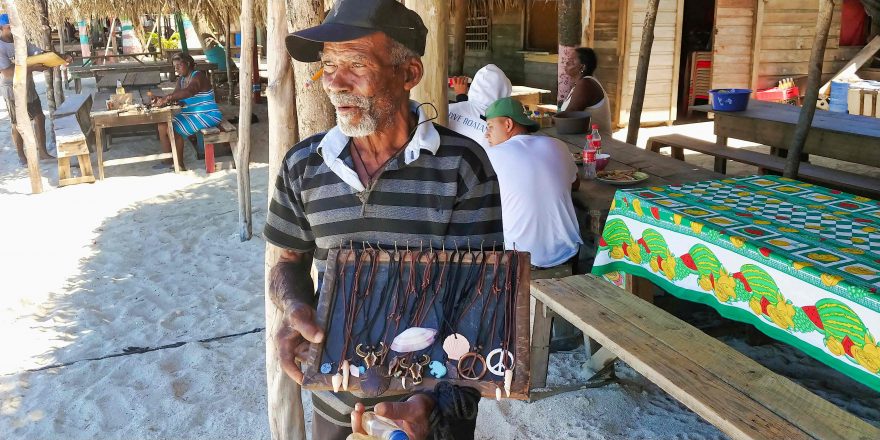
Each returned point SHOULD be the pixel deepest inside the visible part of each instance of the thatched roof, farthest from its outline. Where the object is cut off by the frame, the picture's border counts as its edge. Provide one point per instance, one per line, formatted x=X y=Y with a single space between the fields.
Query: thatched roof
x=213 y=11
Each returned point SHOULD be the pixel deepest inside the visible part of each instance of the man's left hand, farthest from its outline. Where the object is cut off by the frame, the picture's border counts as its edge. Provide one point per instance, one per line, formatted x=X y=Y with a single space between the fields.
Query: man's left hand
x=411 y=415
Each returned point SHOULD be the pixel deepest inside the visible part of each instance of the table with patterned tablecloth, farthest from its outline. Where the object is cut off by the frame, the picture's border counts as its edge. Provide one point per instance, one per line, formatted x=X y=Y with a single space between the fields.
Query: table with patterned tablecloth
x=798 y=261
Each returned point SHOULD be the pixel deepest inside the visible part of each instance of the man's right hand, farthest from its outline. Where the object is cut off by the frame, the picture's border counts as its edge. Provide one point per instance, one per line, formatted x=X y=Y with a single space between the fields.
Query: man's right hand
x=460 y=85
x=298 y=331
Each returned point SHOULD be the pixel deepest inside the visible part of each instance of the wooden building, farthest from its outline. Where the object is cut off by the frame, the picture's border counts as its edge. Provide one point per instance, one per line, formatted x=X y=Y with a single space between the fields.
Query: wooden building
x=738 y=43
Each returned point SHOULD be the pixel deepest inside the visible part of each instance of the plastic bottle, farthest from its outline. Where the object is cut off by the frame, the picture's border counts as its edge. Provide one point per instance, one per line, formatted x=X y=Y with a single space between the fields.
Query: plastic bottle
x=119 y=89
x=381 y=428
x=589 y=164
x=597 y=138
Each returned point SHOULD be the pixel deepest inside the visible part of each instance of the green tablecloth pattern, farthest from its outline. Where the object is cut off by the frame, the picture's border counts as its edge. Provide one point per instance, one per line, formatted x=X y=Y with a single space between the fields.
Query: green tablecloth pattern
x=798 y=261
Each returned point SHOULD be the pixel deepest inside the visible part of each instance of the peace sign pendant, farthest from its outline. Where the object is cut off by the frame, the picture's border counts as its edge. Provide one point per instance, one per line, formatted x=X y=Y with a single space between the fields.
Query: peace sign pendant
x=498 y=368
x=472 y=365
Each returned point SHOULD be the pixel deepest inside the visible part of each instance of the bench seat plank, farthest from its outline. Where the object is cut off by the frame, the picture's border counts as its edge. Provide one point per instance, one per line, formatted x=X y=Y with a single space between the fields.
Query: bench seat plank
x=610 y=316
x=809 y=172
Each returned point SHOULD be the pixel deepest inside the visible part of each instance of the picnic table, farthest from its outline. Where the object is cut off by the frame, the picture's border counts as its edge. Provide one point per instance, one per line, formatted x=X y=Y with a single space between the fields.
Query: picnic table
x=77 y=73
x=528 y=96
x=130 y=81
x=796 y=260
x=104 y=119
x=595 y=197
x=851 y=138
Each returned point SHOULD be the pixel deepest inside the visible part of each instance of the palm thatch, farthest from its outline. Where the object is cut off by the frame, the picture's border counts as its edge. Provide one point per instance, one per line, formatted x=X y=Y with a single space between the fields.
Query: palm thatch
x=213 y=12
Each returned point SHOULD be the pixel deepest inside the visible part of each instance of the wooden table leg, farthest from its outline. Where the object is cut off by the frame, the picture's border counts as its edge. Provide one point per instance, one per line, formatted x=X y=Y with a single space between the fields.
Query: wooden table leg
x=77 y=85
x=640 y=287
x=173 y=146
x=540 y=346
x=99 y=148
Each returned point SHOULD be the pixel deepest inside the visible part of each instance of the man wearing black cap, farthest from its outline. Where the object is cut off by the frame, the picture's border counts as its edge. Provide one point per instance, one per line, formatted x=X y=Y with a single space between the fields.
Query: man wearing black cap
x=385 y=174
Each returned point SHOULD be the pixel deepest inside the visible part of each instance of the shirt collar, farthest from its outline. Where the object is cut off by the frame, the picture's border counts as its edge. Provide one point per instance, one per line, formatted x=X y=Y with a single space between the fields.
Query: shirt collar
x=426 y=137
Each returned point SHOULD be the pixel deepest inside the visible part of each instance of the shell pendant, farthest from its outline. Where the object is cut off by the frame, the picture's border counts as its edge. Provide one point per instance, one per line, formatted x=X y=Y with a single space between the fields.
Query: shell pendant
x=337 y=382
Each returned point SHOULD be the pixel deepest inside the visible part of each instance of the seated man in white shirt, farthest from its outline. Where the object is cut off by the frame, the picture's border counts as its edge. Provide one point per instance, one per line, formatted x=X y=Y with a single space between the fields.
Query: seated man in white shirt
x=536 y=175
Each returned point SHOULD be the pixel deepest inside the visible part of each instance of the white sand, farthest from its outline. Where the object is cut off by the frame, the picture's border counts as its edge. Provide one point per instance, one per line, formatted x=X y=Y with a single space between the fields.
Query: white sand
x=148 y=258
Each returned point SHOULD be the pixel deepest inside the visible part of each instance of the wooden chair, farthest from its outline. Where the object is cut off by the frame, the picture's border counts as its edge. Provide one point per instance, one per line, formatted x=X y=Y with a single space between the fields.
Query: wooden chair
x=225 y=132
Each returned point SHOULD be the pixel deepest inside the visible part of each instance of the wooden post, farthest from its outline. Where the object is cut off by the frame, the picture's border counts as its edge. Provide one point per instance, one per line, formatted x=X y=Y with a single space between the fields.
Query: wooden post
x=826 y=9
x=244 y=120
x=570 y=33
x=23 y=120
x=638 y=99
x=314 y=111
x=435 y=14
x=57 y=83
x=49 y=74
x=229 y=99
x=286 y=419
x=255 y=61
x=459 y=33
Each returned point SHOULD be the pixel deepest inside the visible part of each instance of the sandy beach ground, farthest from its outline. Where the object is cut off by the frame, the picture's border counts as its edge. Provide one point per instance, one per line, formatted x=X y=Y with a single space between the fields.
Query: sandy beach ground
x=131 y=310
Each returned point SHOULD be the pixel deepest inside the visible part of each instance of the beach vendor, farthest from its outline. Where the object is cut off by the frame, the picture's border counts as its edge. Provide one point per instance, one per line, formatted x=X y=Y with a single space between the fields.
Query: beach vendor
x=368 y=179
x=35 y=109
x=199 y=110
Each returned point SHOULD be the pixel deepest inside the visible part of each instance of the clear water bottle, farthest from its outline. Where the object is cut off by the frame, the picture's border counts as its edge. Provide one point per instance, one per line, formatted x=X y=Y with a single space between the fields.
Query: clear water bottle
x=597 y=138
x=379 y=427
x=119 y=89
x=589 y=164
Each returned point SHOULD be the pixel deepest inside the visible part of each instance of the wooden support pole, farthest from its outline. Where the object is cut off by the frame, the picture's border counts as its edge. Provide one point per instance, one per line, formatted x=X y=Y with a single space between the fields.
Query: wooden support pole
x=244 y=120
x=459 y=34
x=231 y=98
x=286 y=419
x=19 y=87
x=826 y=9
x=432 y=89
x=314 y=112
x=48 y=74
x=638 y=99
x=570 y=34
x=255 y=61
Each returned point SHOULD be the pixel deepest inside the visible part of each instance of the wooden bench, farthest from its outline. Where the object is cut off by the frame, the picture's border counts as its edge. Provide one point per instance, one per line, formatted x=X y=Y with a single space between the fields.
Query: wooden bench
x=843 y=180
x=225 y=132
x=73 y=126
x=729 y=390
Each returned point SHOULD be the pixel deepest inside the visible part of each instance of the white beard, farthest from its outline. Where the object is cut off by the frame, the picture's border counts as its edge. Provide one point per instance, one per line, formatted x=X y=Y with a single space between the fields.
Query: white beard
x=365 y=127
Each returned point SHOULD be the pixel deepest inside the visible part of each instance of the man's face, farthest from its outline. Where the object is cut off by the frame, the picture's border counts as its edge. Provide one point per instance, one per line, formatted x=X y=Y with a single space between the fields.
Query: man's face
x=363 y=85
x=6 y=32
x=498 y=130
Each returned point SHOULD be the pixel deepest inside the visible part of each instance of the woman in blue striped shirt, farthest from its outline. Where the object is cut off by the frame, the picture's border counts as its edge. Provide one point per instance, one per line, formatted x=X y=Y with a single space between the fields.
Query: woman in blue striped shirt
x=196 y=97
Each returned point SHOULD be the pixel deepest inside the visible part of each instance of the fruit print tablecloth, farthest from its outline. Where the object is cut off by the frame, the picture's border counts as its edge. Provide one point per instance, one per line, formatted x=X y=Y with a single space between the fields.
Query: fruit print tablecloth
x=798 y=261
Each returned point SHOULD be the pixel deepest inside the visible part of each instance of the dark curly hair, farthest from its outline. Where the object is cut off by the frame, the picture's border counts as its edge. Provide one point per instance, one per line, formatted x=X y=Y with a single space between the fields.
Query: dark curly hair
x=185 y=58
x=587 y=57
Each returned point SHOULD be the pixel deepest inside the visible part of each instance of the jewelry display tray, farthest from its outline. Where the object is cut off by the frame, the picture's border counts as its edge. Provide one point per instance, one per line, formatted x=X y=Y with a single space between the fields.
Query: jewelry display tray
x=332 y=310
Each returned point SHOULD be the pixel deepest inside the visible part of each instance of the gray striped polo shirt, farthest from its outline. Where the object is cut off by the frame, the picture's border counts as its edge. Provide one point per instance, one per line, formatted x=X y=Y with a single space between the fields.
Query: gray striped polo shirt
x=439 y=191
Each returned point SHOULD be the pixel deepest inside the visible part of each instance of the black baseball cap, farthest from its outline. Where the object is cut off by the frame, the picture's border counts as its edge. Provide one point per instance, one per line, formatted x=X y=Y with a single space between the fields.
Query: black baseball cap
x=353 y=19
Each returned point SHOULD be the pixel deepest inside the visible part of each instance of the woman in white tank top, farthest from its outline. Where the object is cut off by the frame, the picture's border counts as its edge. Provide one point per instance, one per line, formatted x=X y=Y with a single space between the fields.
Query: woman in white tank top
x=588 y=94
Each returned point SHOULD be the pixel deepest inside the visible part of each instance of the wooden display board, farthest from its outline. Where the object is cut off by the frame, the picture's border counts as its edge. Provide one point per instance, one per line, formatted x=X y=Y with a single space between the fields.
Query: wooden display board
x=453 y=292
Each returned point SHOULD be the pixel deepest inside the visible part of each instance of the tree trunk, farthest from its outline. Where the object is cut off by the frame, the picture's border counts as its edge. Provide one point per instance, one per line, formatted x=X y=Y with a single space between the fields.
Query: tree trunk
x=23 y=120
x=826 y=9
x=638 y=99
x=459 y=33
x=432 y=89
x=570 y=30
x=314 y=112
x=49 y=74
x=286 y=420
x=244 y=119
